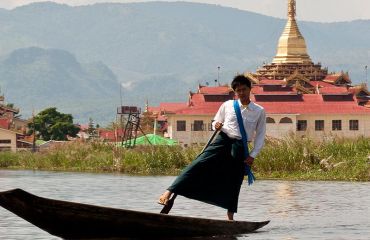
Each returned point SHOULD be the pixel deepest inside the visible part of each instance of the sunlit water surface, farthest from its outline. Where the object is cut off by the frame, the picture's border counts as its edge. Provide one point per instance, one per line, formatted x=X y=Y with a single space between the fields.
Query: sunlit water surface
x=297 y=210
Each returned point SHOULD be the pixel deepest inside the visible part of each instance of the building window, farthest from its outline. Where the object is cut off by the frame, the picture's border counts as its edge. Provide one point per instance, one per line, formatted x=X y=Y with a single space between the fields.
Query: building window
x=270 y=120
x=337 y=125
x=5 y=149
x=181 y=126
x=353 y=125
x=210 y=127
x=286 y=120
x=198 y=125
x=319 y=125
x=8 y=141
x=301 y=125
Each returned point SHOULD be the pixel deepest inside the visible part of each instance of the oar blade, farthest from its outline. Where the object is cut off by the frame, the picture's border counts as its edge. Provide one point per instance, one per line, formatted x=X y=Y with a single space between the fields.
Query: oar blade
x=167 y=208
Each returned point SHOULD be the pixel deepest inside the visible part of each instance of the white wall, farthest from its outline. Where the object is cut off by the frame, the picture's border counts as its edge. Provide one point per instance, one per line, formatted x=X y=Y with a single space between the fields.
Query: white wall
x=277 y=129
x=8 y=135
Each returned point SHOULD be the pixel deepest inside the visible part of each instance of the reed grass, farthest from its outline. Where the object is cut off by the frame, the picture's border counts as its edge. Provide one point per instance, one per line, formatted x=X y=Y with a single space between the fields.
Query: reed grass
x=291 y=158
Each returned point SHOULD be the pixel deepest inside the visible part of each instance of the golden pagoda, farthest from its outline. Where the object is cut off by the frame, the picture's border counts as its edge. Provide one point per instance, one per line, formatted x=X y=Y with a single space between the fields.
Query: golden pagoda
x=292 y=56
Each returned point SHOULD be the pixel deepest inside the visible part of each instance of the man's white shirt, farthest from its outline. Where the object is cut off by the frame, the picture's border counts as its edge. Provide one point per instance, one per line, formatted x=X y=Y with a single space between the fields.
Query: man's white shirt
x=254 y=121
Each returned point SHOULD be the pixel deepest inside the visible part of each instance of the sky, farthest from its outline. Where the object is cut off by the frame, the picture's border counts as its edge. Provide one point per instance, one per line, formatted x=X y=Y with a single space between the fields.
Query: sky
x=307 y=10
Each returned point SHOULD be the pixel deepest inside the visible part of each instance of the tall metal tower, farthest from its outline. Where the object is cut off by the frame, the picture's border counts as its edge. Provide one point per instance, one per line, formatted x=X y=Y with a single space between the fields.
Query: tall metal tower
x=132 y=116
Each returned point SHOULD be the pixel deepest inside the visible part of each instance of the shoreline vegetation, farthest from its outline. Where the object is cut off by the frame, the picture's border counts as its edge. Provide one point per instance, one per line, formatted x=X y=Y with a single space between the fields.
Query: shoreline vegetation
x=288 y=159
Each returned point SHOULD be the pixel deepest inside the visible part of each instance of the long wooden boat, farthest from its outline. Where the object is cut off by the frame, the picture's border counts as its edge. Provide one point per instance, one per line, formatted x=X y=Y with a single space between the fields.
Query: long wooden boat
x=70 y=220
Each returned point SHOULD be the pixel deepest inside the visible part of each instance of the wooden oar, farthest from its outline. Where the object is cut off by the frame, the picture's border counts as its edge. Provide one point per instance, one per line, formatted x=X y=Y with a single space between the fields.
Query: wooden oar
x=167 y=208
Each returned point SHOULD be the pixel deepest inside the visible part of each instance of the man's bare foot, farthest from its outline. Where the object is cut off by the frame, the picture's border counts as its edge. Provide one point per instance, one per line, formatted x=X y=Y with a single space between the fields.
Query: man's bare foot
x=230 y=216
x=163 y=199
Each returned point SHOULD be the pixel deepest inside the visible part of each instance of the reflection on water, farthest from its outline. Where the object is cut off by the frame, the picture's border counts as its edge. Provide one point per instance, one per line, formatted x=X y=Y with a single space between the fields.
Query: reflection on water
x=297 y=210
x=183 y=238
x=286 y=201
x=203 y=238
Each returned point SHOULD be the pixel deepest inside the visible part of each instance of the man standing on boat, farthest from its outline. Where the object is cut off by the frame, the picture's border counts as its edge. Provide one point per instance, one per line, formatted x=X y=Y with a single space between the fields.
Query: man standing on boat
x=216 y=175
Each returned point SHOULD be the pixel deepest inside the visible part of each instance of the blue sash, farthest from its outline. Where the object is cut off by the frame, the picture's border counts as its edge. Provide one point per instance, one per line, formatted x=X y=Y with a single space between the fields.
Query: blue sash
x=248 y=170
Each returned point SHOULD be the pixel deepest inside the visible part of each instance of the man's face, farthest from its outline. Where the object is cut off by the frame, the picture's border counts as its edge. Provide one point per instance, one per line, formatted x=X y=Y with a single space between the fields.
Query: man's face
x=243 y=92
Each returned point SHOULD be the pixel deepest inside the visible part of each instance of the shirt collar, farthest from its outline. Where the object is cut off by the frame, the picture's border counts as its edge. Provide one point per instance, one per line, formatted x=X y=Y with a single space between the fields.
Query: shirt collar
x=251 y=105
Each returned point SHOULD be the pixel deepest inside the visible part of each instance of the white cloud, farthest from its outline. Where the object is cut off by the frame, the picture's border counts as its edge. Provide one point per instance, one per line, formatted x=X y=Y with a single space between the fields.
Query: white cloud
x=128 y=85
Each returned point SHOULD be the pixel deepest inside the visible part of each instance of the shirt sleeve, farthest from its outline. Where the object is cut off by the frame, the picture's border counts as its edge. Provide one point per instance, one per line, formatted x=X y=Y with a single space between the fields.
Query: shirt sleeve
x=259 y=140
x=219 y=117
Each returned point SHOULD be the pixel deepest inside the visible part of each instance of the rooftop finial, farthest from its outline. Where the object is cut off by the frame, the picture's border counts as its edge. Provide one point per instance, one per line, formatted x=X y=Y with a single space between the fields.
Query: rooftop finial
x=291 y=9
x=147 y=106
x=292 y=46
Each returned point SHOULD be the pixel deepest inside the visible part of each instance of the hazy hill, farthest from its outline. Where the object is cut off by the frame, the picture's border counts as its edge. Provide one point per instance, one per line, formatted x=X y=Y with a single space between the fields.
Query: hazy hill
x=35 y=78
x=160 y=50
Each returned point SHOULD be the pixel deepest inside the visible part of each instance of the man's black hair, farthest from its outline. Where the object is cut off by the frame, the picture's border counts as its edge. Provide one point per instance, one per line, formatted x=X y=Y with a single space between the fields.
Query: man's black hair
x=240 y=80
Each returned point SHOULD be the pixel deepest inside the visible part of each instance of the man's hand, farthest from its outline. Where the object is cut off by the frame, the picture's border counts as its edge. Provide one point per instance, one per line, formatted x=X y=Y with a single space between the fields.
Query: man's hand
x=249 y=161
x=218 y=126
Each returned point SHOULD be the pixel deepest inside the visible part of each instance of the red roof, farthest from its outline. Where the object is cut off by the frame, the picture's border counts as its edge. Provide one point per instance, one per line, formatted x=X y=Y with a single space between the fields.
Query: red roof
x=197 y=98
x=161 y=118
x=322 y=84
x=311 y=104
x=171 y=106
x=111 y=135
x=167 y=107
x=314 y=104
x=332 y=77
x=285 y=100
x=259 y=89
x=4 y=123
x=256 y=89
x=214 y=90
x=275 y=93
x=201 y=109
x=334 y=90
x=154 y=109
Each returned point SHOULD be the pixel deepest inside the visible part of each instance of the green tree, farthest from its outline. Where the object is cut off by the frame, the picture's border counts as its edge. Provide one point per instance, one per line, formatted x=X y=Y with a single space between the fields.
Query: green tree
x=91 y=130
x=147 y=122
x=50 y=124
x=10 y=105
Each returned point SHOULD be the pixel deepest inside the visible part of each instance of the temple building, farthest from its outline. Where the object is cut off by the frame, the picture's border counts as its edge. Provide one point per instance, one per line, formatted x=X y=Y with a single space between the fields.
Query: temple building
x=299 y=97
x=292 y=57
x=13 y=129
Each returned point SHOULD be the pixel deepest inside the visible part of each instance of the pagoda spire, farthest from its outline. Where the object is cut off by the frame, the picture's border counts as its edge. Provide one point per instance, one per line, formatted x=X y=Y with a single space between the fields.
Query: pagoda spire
x=291 y=9
x=292 y=46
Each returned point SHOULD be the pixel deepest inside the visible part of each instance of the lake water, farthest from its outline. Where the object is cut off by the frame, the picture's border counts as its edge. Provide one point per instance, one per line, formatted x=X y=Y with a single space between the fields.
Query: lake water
x=297 y=210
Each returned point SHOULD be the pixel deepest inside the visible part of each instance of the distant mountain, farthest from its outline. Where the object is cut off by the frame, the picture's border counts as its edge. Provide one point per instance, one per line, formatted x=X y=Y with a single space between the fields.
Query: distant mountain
x=35 y=78
x=160 y=50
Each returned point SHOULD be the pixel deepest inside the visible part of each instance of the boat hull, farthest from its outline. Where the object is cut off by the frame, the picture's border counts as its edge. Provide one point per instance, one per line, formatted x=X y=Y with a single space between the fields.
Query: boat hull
x=71 y=220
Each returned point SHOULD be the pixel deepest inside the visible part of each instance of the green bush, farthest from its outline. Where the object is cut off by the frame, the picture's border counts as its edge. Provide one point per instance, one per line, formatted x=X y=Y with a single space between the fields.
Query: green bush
x=290 y=158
